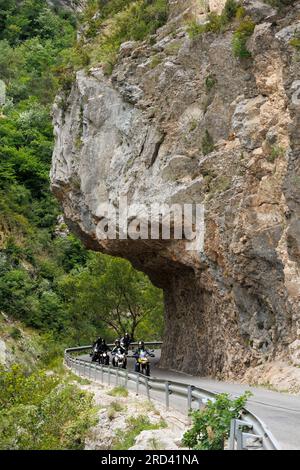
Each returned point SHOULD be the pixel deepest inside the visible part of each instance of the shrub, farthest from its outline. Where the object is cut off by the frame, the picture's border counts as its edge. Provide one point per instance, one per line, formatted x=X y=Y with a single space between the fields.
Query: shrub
x=240 y=13
x=195 y=29
x=211 y=426
x=207 y=143
x=15 y=333
x=240 y=38
x=114 y=408
x=230 y=9
x=295 y=42
x=210 y=82
x=155 y=61
x=39 y=412
x=276 y=151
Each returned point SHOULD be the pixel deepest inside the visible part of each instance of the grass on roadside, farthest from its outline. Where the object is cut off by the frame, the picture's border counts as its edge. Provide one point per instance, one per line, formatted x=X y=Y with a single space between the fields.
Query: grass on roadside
x=125 y=439
x=118 y=392
x=114 y=408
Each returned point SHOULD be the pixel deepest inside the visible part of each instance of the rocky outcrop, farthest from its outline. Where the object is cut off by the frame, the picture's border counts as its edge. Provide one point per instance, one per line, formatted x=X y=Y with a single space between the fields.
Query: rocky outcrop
x=142 y=133
x=164 y=429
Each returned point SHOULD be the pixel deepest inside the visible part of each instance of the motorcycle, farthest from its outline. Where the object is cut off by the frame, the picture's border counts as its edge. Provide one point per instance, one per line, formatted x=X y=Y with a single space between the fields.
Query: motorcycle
x=95 y=353
x=104 y=358
x=119 y=360
x=143 y=363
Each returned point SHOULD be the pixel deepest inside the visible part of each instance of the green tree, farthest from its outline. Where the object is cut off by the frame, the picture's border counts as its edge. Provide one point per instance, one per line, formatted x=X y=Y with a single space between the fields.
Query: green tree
x=111 y=292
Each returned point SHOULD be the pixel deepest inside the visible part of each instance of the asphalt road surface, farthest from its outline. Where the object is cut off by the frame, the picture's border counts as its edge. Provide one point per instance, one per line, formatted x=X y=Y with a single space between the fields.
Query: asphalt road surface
x=279 y=411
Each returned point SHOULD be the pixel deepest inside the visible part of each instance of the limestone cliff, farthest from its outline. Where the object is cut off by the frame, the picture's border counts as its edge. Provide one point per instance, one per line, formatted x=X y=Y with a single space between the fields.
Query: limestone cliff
x=144 y=132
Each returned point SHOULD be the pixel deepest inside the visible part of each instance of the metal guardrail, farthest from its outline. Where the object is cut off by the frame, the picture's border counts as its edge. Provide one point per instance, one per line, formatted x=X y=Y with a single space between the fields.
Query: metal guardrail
x=246 y=433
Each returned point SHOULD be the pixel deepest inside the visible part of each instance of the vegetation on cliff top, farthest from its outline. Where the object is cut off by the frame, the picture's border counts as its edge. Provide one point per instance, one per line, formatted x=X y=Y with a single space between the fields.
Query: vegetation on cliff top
x=106 y=25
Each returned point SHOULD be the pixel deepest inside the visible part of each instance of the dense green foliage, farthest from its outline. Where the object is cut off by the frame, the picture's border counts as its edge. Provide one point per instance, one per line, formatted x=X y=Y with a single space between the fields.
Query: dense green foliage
x=211 y=425
x=41 y=411
x=48 y=282
x=111 y=292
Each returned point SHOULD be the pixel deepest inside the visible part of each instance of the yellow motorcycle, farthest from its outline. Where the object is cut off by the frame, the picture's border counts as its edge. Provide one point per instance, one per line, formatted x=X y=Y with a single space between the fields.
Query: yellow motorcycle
x=143 y=364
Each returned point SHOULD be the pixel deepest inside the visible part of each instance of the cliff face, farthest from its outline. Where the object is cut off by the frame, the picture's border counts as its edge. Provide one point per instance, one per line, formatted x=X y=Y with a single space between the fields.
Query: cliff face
x=183 y=120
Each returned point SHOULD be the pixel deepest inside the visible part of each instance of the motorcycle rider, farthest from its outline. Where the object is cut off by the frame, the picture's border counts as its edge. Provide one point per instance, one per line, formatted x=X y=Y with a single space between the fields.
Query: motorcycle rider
x=141 y=349
x=97 y=343
x=117 y=349
x=104 y=348
x=125 y=341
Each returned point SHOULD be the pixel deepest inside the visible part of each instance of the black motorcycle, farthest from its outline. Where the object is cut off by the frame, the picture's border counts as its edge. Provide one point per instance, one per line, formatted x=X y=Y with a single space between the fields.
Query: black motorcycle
x=95 y=354
x=104 y=358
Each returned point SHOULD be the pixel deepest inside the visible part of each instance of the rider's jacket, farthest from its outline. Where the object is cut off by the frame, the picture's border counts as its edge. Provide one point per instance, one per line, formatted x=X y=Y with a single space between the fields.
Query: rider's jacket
x=98 y=343
x=104 y=348
x=138 y=352
x=126 y=341
x=117 y=349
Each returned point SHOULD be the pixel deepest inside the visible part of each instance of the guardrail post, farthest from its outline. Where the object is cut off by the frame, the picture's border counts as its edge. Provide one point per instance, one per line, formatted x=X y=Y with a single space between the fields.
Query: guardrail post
x=90 y=365
x=117 y=376
x=137 y=383
x=167 y=390
x=232 y=434
x=102 y=373
x=239 y=438
x=147 y=388
x=108 y=376
x=189 y=398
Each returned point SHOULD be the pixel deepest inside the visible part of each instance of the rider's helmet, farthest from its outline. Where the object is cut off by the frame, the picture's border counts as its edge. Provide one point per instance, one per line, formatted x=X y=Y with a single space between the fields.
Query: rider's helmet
x=117 y=342
x=141 y=344
x=126 y=335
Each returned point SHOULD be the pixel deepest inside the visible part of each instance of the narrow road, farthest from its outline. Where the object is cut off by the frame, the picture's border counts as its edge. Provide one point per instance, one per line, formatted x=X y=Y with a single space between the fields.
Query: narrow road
x=279 y=411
